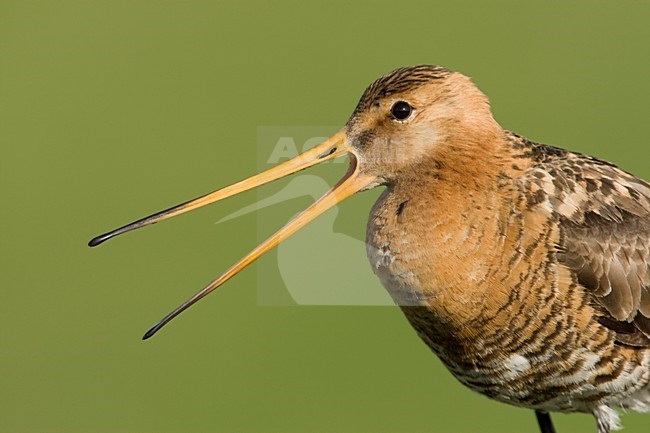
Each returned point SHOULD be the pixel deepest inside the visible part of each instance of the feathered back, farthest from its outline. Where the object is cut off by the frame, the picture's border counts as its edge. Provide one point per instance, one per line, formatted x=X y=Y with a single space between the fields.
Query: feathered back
x=604 y=217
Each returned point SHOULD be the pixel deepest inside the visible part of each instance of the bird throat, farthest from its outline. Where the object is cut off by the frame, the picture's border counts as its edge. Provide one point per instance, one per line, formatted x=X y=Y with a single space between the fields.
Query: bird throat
x=434 y=237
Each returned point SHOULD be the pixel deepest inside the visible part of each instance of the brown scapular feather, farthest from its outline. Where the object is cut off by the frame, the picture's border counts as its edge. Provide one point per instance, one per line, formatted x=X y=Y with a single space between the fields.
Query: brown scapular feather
x=604 y=217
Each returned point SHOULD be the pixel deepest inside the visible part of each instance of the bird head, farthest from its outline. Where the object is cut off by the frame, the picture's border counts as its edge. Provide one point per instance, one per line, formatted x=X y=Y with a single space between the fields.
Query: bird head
x=415 y=116
x=412 y=116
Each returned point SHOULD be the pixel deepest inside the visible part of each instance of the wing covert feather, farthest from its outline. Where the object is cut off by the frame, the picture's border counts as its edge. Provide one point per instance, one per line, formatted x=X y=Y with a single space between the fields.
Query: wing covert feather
x=604 y=218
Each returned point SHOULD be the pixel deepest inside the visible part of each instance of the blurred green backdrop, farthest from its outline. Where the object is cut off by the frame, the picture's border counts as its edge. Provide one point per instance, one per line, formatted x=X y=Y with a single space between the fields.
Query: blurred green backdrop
x=113 y=109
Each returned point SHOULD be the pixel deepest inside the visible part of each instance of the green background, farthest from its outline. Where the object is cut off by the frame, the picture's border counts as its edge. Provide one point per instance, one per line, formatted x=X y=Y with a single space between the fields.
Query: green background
x=111 y=110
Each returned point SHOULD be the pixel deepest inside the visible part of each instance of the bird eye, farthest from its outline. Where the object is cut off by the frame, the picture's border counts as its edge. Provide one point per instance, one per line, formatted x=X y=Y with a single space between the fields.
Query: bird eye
x=401 y=110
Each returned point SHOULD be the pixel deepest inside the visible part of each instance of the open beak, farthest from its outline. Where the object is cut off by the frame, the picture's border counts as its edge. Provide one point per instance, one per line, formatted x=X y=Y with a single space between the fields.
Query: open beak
x=331 y=148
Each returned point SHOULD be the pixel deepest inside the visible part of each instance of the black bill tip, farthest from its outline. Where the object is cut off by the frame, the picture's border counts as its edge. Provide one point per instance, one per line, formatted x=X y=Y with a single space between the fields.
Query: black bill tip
x=150 y=333
x=147 y=335
x=99 y=239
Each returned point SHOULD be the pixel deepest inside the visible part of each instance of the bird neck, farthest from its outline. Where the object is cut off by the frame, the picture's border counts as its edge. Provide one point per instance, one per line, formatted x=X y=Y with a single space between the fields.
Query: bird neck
x=456 y=209
x=479 y=159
